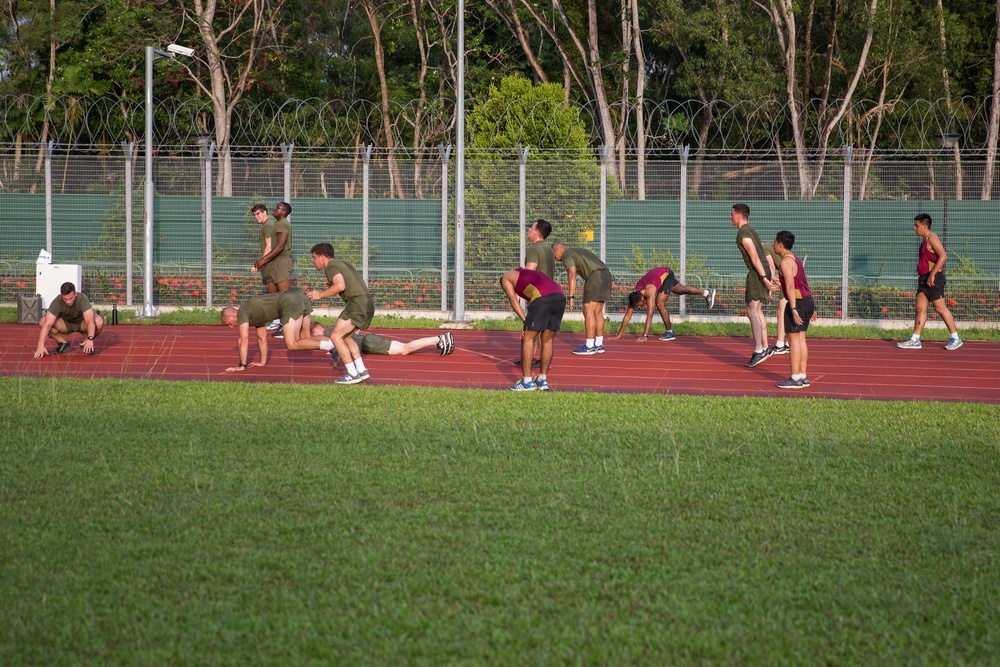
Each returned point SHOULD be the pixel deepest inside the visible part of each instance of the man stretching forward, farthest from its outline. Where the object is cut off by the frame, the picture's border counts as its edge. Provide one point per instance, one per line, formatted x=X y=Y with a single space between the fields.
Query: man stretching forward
x=651 y=292
x=343 y=280
x=596 y=291
x=546 y=306
x=290 y=308
x=759 y=284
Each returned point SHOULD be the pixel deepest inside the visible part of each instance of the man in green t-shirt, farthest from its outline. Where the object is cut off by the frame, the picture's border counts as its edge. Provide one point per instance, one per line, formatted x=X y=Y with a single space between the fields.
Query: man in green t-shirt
x=277 y=261
x=343 y=280
x=596 y=291
x=291 y=308
x=758 y=286
x=69 y=312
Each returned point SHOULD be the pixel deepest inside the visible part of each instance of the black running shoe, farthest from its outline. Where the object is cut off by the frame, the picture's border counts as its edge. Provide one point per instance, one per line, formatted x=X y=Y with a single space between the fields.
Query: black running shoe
x=62 y=348
x=335 y=356
x=756 y=359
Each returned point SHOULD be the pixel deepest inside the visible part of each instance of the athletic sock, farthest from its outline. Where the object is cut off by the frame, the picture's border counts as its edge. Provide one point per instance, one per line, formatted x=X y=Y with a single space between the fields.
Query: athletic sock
x=798 y=376
x=360 y=365
x=599 y=341
x=352 y=369
x=915 y=337
x=527 y=380
x=590 y=342
x=540 y=377
x=758 y=351
x=955 y=336
x=780 y=343
x=326 y=345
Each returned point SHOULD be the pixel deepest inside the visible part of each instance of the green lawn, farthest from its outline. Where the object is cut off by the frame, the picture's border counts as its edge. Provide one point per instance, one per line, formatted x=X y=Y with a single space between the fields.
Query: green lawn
x=151 y=523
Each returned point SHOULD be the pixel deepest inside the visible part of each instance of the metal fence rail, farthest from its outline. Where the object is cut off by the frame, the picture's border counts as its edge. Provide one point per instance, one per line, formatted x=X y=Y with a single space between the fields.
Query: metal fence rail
x=394 y=219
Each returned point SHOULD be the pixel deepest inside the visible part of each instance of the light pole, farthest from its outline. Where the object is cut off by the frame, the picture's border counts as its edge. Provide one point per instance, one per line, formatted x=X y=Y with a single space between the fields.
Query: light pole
x=949 y=142
x=147 y=252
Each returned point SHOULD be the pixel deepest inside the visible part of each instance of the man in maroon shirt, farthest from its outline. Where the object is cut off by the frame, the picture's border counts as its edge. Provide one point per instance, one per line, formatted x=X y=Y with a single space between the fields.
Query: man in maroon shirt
x=546 y=306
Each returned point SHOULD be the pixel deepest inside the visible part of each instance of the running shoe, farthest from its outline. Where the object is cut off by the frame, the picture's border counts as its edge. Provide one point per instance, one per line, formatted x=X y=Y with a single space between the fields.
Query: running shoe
x=756 y=359
x=710 y=298
x=668 y=336
x=347 y=378
x=954 y=344
x=583 y=349
x=541 y=385
x=273 y=325
x=278 y=333
x=62 y=348
x=778 y=349
x=599 y=349
x=910 y=344
x=790 y=384
x=521 y=385
x=335 y=356
x=805 y=382
x=364 y=375
x=446 y=343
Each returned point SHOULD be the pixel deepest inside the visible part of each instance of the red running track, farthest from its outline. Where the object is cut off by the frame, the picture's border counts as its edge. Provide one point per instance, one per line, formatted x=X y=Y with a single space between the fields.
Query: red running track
x=692 y=365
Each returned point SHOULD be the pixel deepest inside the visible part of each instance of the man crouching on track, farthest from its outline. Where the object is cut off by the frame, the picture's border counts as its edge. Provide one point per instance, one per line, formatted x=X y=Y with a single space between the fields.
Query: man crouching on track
x=292 y=308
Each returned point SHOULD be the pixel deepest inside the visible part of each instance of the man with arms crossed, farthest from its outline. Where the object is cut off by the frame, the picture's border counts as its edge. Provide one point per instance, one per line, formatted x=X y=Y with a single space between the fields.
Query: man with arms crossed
x=290 y=308
x=70 y=311
x=596 y=291
x=800 y=309
x=930 y=285
x=266 y=222
x=651 y=292
x=546 y=306
x=278 y=260
x=758 y=285
x=342 y=279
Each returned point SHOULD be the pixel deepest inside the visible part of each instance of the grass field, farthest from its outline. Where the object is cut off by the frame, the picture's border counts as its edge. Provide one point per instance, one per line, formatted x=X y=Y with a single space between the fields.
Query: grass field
x=152 y=523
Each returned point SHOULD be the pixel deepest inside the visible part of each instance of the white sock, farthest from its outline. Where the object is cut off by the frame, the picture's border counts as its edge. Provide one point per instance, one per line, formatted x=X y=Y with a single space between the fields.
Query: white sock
x=590 y=342
x=360 y=365
x=780 y=343
x=954 y=336
x=527 y=380
x=540 y=377
x=351 y=369
x=756 y=351
x=798 y=376
x=326 y=345
x=915 y=337
x=599 y=341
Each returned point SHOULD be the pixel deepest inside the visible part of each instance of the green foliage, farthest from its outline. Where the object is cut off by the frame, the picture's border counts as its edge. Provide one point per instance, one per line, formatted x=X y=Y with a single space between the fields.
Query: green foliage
x=697 y=265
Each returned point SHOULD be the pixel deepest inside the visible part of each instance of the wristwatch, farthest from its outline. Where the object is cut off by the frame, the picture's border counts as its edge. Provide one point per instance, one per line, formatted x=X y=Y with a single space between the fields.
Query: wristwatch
x=90 y=338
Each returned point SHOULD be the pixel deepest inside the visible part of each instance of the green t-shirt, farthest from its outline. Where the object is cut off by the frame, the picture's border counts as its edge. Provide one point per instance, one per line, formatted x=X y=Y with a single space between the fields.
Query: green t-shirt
x=775 y=257
x=747 y=232
x=266 y=232
x=282 y=226
x=354 y=284
x=72 y=313
x=284 y=306
x=540 y=253
x=585 y=261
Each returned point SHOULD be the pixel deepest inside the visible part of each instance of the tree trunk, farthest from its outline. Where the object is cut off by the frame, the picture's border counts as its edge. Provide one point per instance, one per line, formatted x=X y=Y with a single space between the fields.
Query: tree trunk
x=395 y=186
x=994 y=126
x=640 y=98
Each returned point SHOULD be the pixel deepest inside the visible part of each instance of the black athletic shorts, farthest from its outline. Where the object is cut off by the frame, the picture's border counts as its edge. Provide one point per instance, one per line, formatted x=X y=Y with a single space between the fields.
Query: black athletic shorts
x=669 y=282
x=932 y=293
x=806 y=308
x=545 y=312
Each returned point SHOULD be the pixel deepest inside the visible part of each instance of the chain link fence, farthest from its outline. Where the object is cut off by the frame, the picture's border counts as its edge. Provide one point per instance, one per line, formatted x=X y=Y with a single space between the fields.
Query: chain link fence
x=394 y=219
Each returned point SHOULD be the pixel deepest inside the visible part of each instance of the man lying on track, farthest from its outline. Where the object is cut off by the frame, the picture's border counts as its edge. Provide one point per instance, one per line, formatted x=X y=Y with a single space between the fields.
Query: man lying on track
x=374 y=344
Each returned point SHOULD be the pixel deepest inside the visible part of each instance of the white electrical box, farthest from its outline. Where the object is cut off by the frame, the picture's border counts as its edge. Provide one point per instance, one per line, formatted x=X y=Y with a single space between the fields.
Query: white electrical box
x=50 y=277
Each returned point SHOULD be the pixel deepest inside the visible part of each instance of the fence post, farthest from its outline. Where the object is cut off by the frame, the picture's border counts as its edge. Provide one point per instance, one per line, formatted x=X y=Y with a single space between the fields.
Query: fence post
x=364 y=212
x=129 y=149
x=445 y=154
x=522 y=196
x=207 y=190
x=605 y=157
x=845 y=262
x=48 y=199
x=286 y=151
x=685 y=151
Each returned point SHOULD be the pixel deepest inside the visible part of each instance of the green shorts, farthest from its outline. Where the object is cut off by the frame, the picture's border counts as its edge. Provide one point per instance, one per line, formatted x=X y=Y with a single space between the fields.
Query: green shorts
x=756 y=291
x=279 y=269
x=359 y=311
x=295 y=307
x=597 y=287
x=374 y=344
x=73 y=327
